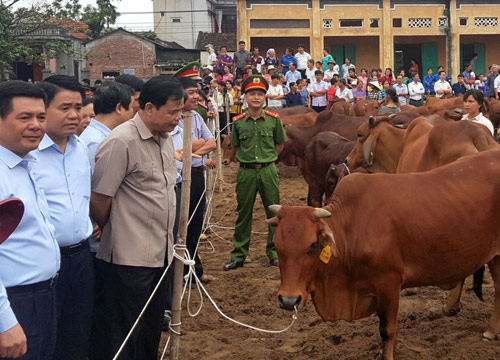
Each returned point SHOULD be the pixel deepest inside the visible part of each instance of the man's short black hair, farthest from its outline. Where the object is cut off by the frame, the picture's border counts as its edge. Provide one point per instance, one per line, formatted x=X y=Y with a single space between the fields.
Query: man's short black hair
x=59 y=83
x=97 y=82
x=275 y=76
x=187 y=83
x=318 y=72
x=333 y=81
x=17 y=88
x=109 y=95
x=87 y=101
x=441 y=71
x=86 y=81
x=301 y=46
x=159 y=89
x=241 y=42
x=460 y=76
x=132 y=81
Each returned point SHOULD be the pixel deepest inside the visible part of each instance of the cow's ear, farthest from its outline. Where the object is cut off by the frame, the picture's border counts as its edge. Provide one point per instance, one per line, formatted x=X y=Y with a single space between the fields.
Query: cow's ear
x=368 y=148
x=272 y=221
x=326 y=238
x=372 y=121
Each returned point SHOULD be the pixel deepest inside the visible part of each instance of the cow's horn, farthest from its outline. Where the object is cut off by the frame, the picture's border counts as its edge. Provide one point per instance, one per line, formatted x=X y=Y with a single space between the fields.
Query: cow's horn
x=322 y=213
x=275 y=209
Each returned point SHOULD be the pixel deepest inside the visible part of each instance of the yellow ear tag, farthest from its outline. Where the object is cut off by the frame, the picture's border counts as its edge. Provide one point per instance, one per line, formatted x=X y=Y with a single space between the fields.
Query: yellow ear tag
x=326 y=254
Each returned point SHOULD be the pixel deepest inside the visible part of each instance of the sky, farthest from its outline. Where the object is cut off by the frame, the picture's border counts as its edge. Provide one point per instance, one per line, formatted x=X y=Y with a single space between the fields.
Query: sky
x=133 y=22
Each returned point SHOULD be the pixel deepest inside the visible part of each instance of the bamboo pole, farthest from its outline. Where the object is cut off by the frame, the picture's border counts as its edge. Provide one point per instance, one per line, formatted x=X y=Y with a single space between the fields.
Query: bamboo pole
x=183 y=225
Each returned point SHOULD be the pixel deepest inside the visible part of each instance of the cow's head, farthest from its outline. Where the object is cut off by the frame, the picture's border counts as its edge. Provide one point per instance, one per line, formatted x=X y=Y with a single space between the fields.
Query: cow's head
x=300 y=238
x=228 y=152
x=376 y=131
x=334 y=174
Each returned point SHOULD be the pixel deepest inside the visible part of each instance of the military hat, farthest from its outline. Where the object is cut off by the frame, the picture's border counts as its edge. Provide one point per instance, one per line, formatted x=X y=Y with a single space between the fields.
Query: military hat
x=191 y=70
x=254 y=82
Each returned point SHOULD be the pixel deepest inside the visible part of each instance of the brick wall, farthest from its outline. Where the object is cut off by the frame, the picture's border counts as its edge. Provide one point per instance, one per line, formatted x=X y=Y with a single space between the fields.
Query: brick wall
x=120 y=51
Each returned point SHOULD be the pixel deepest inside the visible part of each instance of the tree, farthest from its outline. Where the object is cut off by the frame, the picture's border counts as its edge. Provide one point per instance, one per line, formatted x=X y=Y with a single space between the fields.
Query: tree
x=28 y=34
x=68 y=10
x=101 y=17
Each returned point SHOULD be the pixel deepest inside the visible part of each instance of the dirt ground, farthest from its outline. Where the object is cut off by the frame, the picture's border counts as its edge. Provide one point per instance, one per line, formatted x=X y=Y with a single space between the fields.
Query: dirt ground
x=248 y=294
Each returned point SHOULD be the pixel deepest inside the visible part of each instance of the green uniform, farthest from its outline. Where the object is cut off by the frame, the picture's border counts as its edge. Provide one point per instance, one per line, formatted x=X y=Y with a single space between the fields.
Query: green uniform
x=256 y=140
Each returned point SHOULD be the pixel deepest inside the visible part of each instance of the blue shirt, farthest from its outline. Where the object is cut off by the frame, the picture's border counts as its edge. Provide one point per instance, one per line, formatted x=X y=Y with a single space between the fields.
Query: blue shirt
x=466 y=75
x=286 y=60
x=458 y=89
x=303 y=95
x=435 y=78
x=293 y=99
x=65 y=180
x=31 y=253
x=292 y=76
x=429 y=83
x=199 y=131
x=178 y=141
x=92 y=136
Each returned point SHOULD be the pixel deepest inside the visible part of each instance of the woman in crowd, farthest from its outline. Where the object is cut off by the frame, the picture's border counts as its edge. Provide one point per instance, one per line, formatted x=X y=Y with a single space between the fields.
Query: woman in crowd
x=235 y=93
x=352 y=77
x=385 y=85
x=388 y=76
x=227 y=74
x=271 y=58
x=364 y=78
x=373 y=89
x=326 y=58
x=391 y=104
x=474 y=108
x=413 y=67
x=358 y=93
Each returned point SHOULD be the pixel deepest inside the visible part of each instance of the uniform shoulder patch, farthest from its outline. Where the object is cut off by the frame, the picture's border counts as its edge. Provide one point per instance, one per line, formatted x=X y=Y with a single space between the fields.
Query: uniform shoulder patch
x=273 y=114
x=240 y=116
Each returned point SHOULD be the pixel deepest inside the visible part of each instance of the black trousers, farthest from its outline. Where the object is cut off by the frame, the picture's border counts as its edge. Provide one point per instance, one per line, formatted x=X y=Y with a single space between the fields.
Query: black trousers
x=196 y=224
x=318 y=109
x=127 y=288
x=97 y=334
x=75 y=300
x=35 y=310
x=302 y=73
x=223 y=123
x=417 y=103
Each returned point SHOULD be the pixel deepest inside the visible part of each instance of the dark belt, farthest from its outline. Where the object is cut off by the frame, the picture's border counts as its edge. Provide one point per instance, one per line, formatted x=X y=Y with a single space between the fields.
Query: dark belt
x=198 y=169
x=255 y=166
x=74 y=249
x=42 y=285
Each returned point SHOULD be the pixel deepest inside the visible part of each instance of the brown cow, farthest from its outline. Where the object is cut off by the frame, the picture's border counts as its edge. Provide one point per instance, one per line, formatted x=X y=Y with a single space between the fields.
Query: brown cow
x=294 y=110
x=434 y=104
x=228 y=153
x=325 y=148
x=333 y=176
x=298 y=138
x=356 y=255
x=300 y=120
x=366 y=108
x=380 y=148
x=340 y=106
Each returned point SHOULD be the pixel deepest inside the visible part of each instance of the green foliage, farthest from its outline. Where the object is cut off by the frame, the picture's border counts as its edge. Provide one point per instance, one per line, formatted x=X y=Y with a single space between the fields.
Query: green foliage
x=149 y=34
x=66 y=9
x=100 y=18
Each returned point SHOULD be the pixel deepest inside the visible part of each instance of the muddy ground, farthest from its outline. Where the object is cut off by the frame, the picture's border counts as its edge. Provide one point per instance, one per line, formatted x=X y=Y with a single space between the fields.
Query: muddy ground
x=248 y=294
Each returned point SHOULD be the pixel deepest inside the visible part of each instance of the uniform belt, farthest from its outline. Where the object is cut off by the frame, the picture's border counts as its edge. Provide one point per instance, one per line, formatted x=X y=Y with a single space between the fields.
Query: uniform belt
x=198 y=169
x=42 y=285
x=74 y=249
x=256 y=166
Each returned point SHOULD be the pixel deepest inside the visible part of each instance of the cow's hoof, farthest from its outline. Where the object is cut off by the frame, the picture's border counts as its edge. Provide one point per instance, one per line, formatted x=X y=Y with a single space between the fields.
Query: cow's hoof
x=453 y=311
x=489 y=336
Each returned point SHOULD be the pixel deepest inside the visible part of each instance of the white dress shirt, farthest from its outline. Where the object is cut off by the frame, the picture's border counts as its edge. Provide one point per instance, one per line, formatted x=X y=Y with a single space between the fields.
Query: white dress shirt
x=416 y=90
x=441 y=85
x=481 y=119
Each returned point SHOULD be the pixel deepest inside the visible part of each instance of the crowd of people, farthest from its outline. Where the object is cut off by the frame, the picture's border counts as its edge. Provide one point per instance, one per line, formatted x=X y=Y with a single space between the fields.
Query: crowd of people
x=296 y=78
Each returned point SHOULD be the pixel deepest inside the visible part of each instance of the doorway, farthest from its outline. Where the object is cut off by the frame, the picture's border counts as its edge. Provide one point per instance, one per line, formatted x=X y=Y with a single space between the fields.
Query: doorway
x=403 y=53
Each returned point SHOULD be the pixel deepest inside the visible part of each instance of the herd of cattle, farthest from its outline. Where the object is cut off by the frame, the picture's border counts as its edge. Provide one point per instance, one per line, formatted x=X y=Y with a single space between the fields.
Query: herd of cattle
x=377 y=234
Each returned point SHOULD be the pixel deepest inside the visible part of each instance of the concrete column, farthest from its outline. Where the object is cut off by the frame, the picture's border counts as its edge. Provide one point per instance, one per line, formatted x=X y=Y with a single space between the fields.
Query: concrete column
x=316 y=40
x=386 y=41
x=453 y=43
x=243 y=23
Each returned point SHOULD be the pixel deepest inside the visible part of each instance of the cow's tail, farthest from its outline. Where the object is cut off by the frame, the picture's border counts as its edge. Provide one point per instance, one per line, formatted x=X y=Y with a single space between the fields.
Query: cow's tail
x=478 y=283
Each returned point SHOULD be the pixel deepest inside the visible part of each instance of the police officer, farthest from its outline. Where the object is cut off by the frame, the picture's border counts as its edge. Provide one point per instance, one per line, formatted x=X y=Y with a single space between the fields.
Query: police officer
x=258 y=137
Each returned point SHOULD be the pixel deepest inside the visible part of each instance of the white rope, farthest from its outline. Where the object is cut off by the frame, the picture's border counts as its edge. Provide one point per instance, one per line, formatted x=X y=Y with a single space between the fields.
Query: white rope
x=192 y=273
x=347 y=168
x=165 y=348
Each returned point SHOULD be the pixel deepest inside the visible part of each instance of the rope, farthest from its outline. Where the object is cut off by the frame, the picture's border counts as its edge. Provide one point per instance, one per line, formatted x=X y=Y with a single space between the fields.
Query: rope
x=347 y=168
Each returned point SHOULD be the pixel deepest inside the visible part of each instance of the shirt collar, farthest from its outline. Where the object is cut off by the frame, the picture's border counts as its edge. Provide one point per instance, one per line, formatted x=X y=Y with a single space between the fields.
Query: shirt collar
x=12 y=160
x=99 y=125
x=478 y=116
x=261 y=116
x=48 y=142
x=177 y=130
x=142 y=128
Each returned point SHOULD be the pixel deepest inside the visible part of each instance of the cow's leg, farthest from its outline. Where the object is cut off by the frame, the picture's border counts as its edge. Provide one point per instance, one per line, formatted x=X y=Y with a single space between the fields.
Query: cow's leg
x=387 y=311
x=452 y=306
x=494 y=326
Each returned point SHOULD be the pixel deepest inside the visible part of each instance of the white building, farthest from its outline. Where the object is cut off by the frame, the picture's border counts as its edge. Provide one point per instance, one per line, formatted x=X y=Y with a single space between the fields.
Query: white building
x=182 y=20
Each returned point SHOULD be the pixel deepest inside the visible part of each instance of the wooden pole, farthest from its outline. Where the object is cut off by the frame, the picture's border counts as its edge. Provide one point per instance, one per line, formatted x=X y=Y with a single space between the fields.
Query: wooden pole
x=183 y=225
x=228 y=115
